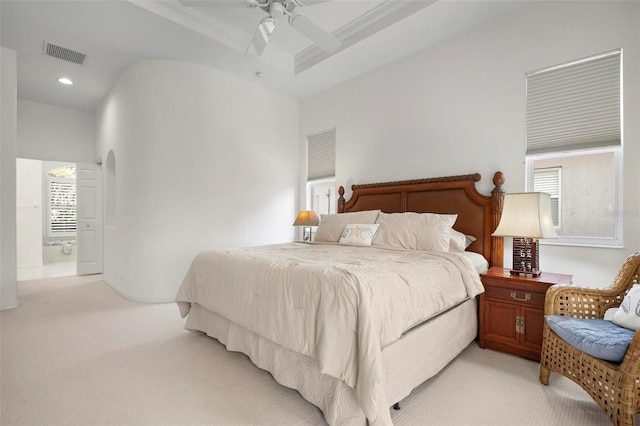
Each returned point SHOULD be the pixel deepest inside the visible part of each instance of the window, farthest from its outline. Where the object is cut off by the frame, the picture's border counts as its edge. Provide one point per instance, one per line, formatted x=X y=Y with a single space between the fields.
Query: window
x=61 y=185
x=548 y=180
x=322 y=196
x=321 y=172
x=574 y=147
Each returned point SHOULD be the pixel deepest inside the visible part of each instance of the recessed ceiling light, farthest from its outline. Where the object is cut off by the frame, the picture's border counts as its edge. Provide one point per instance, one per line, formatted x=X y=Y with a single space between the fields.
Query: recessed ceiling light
x=65 y=80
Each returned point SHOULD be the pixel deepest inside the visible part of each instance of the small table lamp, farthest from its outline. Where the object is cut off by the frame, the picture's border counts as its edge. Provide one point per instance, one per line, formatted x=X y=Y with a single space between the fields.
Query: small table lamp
x=526 y=217
x=307 y=219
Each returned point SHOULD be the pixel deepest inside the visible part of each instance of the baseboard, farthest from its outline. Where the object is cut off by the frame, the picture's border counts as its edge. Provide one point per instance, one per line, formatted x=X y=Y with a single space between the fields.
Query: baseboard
x=134 y=298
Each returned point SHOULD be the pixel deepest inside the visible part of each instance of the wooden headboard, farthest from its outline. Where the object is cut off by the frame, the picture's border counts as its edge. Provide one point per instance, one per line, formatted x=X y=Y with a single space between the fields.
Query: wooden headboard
x=478 y=214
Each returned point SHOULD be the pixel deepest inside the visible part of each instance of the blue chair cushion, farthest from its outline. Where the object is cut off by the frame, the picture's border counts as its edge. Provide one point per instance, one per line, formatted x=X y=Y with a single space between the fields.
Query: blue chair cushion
x=596 y=337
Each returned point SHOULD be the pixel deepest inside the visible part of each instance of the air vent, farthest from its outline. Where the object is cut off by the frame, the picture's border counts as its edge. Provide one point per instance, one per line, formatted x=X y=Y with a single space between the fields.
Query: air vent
x=63 y=53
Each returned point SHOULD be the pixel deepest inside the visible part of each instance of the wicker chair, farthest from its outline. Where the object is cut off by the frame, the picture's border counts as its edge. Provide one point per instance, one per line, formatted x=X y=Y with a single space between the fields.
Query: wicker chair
x=614 y=387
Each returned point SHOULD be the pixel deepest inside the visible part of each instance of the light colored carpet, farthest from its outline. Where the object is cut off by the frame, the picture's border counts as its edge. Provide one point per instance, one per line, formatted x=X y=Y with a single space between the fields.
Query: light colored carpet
x=77 y=353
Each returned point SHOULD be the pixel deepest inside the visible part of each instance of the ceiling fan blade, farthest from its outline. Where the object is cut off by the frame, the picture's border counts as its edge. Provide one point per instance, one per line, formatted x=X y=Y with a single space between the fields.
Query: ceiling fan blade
x=314 y=33
x=303 y=3
x=261 y=36
x=209 y=3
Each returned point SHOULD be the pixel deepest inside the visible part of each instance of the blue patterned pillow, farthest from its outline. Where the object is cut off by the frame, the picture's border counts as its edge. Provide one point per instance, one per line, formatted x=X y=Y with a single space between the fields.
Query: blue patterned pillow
x=596 y=337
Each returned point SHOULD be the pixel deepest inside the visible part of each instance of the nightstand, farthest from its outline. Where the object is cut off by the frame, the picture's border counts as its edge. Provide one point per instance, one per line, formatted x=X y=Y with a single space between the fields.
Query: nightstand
x=512 y=311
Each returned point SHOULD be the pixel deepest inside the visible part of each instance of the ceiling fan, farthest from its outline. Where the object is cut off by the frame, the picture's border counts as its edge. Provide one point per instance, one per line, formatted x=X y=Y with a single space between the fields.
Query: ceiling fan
x=277 y=9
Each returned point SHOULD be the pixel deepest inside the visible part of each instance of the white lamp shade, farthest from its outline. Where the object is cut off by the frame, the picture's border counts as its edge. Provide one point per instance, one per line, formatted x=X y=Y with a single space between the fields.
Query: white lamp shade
x=526 y=215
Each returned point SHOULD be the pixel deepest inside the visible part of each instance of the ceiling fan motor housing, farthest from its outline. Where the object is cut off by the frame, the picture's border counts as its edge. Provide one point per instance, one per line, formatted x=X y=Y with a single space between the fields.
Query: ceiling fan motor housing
x=276 y=9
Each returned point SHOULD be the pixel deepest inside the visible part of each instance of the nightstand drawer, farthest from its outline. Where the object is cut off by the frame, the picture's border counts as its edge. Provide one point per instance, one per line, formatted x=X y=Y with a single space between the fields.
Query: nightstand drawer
x=512 y=295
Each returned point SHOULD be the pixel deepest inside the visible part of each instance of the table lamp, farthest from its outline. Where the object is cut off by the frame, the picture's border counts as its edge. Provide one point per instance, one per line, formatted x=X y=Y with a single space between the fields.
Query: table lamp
x=306 y=219
x=527 y=218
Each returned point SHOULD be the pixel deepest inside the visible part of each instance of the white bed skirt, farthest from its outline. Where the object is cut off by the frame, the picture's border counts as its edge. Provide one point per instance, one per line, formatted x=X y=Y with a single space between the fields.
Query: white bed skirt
x=418 y=355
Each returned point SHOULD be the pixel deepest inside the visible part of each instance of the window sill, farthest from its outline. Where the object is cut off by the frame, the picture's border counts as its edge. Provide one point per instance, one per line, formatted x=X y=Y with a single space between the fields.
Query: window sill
x=614 y=244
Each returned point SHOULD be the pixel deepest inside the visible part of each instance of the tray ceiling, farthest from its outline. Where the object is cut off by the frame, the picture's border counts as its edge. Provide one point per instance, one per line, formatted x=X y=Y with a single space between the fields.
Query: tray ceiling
x=112 y=34
x=233 y=22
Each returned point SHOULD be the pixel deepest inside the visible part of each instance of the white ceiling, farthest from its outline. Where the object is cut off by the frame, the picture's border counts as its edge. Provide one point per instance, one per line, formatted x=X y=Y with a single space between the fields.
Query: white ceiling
x=216 y=33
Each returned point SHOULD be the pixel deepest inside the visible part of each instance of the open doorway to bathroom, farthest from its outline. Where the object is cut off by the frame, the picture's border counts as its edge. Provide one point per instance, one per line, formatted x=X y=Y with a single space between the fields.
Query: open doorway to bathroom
x=46 y=219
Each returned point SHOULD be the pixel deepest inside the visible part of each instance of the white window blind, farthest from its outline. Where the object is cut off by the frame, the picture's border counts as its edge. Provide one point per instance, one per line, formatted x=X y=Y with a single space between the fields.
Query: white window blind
x=62 y=205
x=321 y=155
x=548 y=180
x=574 y=106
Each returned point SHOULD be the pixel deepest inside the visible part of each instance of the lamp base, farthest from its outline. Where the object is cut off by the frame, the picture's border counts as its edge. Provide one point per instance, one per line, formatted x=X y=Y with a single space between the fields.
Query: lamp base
x=306 y=233
x=525 y=257
x=528 y=273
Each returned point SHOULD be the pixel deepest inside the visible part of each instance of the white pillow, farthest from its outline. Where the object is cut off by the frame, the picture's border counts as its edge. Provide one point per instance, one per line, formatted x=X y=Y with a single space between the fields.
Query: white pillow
x=470 y=239
x=628 y=314
x=415 y=231
x=478 y=260
x=359 y=234
x=457 y=242
x=331 y=225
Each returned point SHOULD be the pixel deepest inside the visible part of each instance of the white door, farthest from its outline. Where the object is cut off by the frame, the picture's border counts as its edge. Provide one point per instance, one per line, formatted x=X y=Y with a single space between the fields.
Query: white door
x=89 y=218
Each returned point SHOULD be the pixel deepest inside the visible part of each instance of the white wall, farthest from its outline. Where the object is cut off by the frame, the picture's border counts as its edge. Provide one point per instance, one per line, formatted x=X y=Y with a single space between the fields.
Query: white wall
x=459 y=107
x=8 y=96
x=48 y=132
x=30 y=212
x=201 y=160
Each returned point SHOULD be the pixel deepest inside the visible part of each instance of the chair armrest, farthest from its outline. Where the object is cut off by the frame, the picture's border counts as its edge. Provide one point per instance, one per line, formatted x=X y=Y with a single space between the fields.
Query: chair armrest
x=580 y=302
x=631 y=363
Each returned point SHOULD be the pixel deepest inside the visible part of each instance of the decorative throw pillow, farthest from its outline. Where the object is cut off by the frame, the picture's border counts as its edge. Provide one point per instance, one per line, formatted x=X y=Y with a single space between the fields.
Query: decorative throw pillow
x=415 y=231
x=457 y=242
x=628 y=314
x=359 y=234
x=331 y=225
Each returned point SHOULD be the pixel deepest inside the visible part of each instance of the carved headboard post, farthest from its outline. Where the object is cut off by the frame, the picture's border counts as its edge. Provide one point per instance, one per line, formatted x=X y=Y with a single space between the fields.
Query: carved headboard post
x=341 y=199
x=497 y=201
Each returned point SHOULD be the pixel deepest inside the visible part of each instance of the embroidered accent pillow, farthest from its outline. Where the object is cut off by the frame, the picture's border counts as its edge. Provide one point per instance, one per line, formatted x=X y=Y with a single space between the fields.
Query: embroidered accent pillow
x=359 y=234
x=628 y=314
x=415 y=231
x=331 y=225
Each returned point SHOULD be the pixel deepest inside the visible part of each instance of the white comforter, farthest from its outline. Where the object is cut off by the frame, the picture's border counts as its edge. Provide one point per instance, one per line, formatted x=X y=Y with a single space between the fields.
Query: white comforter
x=338 y=304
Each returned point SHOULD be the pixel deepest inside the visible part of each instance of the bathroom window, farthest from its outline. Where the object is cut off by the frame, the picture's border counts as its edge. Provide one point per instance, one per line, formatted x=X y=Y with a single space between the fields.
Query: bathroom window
x=62 y=205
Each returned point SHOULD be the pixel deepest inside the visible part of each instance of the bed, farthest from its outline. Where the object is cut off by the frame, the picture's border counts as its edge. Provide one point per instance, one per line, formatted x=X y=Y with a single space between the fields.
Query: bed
x=355 y=328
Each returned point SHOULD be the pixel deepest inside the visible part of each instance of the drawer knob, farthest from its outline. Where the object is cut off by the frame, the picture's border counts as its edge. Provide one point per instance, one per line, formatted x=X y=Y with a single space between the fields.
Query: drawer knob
x=527 y=296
